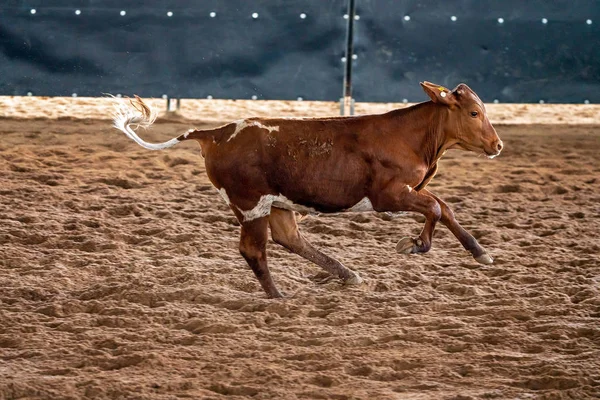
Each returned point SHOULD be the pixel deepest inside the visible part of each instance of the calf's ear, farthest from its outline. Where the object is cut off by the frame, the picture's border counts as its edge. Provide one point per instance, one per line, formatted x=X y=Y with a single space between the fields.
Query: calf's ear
x=439 y=94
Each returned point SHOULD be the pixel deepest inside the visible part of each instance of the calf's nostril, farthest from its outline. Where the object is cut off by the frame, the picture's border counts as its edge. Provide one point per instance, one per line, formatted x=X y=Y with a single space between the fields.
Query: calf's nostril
x=499 y=146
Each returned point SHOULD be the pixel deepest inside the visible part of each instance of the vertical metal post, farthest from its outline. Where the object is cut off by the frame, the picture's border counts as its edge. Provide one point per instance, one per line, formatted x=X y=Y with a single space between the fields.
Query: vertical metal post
x=347 y=90
x=170 y=107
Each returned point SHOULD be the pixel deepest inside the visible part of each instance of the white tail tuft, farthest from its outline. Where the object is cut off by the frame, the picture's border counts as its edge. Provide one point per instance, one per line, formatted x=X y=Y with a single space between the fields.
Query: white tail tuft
x=139 y=114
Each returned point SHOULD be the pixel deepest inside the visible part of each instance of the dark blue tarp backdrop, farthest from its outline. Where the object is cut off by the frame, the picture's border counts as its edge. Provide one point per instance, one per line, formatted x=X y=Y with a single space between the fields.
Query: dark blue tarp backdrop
x=294 y=48
x=522 y=59
x=191 y=54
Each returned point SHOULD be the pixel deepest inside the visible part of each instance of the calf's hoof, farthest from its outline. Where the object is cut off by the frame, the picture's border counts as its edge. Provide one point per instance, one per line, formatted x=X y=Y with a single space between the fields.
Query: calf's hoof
x=405 y=246
x=484 y=259
x=409 y=245
x=353 y=280
x=275 y=294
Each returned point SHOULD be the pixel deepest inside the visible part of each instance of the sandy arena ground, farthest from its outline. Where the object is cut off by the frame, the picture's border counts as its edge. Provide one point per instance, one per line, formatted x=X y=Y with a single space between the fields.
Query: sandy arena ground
x=120 y=276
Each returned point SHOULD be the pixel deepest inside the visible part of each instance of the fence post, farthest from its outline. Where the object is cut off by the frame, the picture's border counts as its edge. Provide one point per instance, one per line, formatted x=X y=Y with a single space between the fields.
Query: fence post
x=346 y=101
x=170 y=107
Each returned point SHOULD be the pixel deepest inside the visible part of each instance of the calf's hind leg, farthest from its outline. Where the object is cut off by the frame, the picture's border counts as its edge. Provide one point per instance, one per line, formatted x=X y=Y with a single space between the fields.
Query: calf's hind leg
x=253 y=247
x=284 y=231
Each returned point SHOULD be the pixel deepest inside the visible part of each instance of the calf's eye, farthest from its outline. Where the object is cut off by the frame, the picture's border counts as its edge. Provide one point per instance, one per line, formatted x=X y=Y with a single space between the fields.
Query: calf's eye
x=474 y=113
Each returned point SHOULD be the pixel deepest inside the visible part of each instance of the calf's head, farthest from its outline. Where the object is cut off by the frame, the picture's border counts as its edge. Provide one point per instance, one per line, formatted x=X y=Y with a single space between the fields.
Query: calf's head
x=467 y=124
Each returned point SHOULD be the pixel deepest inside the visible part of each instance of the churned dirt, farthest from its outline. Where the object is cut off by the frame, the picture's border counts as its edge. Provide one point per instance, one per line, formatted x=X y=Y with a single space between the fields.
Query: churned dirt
x=120 y=276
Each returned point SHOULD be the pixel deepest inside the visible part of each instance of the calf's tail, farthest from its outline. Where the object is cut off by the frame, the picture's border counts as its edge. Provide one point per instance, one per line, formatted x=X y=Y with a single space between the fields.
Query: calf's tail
x=139 y=114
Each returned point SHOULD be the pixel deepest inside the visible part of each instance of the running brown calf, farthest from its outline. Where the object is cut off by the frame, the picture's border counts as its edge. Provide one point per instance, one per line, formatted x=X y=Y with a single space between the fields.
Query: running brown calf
x=268 y=168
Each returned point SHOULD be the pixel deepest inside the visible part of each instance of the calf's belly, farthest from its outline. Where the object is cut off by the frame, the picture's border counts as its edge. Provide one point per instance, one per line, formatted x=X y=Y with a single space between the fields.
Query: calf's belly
x=322 y=187
x=328 y=182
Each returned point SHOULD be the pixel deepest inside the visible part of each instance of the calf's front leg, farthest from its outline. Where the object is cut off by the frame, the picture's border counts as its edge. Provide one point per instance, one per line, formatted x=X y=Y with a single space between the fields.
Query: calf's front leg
x=398 y=196
x=464 y=237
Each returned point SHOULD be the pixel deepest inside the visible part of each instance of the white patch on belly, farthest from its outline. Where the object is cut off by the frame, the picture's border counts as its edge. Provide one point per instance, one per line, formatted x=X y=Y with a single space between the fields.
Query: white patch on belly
x=243 y=124
x=410 y=189
x=395 y=214
x=286 y=204
x=263 y=207
x=363 y=205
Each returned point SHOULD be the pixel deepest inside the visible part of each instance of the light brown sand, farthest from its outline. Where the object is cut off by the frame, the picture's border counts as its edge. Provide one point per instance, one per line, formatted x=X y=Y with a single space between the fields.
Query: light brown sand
x=120 y=275
x=229 y=110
